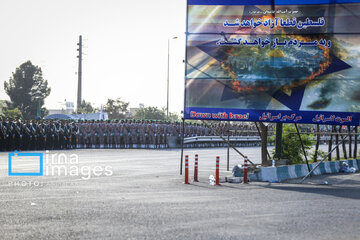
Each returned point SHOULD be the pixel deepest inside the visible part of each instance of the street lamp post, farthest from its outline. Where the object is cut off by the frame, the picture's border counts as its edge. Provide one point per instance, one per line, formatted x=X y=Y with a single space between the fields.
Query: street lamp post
x=168 y=76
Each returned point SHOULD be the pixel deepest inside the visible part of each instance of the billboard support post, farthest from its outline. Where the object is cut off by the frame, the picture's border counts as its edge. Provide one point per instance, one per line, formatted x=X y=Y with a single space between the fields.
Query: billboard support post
x=303 y=148
x=355 y=142
x=182 y=144
x=278 y=141
x=343 y=143
x=196 y=168
x=186 y=169
x=330 y=145
x=228 y=150
x=232 y=146
x=317 y=142
x=336 y=142
x=317 y=165
x=350 y=142
x=263 y=135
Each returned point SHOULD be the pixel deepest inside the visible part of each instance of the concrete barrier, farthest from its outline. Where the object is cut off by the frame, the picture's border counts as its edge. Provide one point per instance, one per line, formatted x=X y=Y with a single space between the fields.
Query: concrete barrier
x=281 y=173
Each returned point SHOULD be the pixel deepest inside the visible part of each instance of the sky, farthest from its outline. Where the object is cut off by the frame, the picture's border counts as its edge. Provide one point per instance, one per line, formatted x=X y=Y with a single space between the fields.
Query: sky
x=125 y=45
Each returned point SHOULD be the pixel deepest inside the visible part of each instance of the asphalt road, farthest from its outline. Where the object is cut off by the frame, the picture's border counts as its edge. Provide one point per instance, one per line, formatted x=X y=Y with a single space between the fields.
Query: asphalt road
x=144 y=198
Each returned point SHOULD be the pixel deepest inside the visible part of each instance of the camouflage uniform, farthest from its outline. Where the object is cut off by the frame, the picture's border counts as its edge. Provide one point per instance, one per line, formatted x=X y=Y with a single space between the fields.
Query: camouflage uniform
x=142 y=134
x=134 y=134
x=74 y=135
x=126 y=133
x=110 y=134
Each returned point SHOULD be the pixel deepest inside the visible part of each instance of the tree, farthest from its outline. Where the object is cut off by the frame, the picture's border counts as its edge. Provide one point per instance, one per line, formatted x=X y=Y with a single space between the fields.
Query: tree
x=26 y=88
x=11 y=113
x=174 y=117
x=151 y=113
x=85 y=107
x=116 y=108
x=292 y=149
x=264 y=138
x=156 y=114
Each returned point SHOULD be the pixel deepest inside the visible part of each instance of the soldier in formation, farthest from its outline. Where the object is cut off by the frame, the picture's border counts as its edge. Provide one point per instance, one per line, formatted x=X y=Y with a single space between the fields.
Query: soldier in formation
x=68 y=134
x=37 y=134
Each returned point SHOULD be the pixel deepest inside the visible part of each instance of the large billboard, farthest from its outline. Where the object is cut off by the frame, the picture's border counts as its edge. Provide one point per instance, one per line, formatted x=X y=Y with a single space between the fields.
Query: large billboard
x=274 y=61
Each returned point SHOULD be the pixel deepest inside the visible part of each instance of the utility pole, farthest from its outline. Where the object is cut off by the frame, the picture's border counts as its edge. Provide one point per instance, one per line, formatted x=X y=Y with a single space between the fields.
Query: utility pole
x=79 y=72
x=167 y=85
x=167 y=80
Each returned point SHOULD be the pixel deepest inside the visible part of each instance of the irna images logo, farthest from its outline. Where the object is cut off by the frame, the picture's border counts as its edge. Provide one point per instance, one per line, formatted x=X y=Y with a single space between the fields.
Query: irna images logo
x=25 y=164
x=53 y=164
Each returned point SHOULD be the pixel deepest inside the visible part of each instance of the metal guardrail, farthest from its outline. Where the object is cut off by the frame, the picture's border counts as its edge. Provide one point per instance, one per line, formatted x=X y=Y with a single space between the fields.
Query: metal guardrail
x=218 y=139
x=237 y=139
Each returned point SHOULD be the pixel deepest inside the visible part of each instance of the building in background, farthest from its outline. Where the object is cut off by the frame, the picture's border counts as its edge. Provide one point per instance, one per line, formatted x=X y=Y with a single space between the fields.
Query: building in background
x=88 y=116
x=64 y=108
x=133 y=111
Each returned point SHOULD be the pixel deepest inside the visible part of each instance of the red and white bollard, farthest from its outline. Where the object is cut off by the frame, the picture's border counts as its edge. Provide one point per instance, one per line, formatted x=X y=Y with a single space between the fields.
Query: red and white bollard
x=217 y=174
x=245 y=169
x=186 y=169
x=196 y=168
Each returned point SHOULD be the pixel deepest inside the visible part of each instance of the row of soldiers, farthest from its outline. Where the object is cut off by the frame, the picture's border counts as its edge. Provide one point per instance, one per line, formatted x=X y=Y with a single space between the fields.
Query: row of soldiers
x=37 y=135
x=68 y=134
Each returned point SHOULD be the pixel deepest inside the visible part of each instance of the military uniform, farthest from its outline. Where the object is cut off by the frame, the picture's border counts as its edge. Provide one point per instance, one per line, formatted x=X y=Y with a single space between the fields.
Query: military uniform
x=142 y=134
x=152 y=135
x=127 y=134
x=116 y=130
x=100 y=128
x=67 y=135
x=110 y=134
x=95 y=134
x=88 y=132
x=82 y=134
x=122 y=135
x=2 y=136
x=74 y=134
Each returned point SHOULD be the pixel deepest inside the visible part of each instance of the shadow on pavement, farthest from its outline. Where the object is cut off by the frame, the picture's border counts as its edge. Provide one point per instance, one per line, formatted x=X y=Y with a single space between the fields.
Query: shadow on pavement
x=331 y=190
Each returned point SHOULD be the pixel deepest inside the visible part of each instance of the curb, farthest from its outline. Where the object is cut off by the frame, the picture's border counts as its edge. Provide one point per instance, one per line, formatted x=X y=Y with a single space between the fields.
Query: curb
x=278 y=174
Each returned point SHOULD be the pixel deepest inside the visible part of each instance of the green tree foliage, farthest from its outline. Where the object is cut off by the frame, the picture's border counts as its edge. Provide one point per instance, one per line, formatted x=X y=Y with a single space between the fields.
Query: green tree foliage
x=156 y=114
x=11 y=113
x=116 y=108
x=320 y=154
x=151 y=113
x=85 y=107
x=174 y=117
x=25 y=88
x=291 y=144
